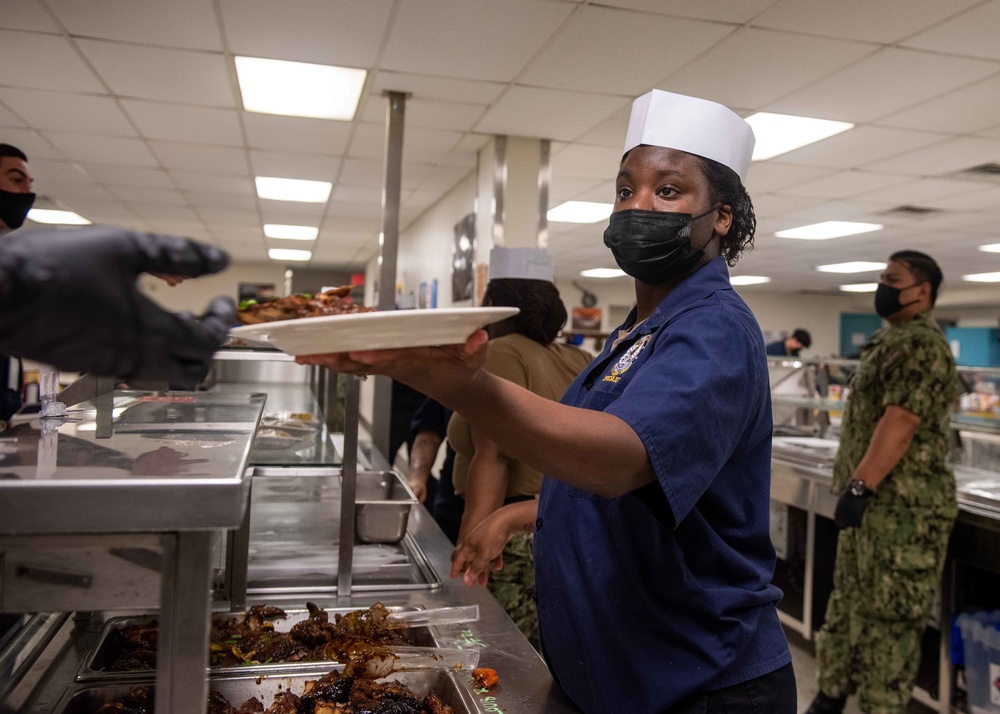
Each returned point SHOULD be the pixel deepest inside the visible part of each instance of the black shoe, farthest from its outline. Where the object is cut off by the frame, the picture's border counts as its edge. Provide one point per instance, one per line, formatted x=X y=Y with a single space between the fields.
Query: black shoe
x=823 y=704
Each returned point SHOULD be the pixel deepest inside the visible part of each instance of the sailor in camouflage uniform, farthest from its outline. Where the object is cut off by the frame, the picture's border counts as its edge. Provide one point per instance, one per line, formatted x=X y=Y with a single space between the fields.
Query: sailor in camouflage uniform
x=898 y=503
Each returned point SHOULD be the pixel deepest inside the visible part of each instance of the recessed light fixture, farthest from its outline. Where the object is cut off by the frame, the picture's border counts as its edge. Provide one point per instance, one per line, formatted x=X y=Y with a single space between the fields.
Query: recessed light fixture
x=982 y=278
x=780 y=133
x=860 y=288
x=288 y=254
x=749 y=279
x=829 y=229
x=991 y=248
x=57 y=217
x=299 y=89
x=580 y=212
x=284 y=189
x=603 y=273
x=854 y=266
x=285 y=232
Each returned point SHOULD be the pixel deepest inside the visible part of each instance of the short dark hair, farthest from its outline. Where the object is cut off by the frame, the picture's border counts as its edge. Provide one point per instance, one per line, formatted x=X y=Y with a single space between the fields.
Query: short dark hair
x=924 y=268
x=803 y=337
x=725 y=187
x=542 y=311
x=8 y=150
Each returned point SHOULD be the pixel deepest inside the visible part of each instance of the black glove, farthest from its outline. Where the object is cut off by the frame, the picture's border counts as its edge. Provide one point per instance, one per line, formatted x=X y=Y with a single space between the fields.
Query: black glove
x=852 y=504
x=68 y=298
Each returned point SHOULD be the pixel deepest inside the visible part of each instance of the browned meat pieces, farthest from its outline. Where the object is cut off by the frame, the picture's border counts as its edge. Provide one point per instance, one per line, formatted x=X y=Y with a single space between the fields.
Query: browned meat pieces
x=284 y=703
x=331 y=302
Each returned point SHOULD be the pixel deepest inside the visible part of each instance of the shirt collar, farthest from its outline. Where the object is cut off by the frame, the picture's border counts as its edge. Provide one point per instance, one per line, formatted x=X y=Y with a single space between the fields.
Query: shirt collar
x=710 y=278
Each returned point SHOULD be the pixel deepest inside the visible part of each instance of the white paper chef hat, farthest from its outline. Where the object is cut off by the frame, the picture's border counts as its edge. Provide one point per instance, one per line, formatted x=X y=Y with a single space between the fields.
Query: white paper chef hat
x=694 y=125
x=521 y=263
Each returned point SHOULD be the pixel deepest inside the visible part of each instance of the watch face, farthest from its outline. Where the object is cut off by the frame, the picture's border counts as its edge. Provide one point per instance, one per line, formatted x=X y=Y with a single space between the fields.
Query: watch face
x=858 y=487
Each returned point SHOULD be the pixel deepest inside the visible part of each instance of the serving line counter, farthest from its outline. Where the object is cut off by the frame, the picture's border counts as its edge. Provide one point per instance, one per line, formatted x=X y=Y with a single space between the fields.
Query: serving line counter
x=805 y=539
x=187 y=538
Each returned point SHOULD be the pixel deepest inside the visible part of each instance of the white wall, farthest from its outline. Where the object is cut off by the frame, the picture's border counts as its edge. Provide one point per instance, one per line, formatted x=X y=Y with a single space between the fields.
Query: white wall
x=194 y=295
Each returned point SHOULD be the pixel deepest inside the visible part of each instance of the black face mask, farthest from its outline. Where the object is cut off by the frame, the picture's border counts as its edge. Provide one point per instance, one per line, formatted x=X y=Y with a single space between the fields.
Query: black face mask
x=653 y=246
x=887 y=299
x=14 y=208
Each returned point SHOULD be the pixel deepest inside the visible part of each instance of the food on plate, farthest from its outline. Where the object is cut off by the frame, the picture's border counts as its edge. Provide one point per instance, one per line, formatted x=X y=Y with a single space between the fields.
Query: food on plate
x=361 y=635
x=333 y=693
x=334 y=301
x=485 y=677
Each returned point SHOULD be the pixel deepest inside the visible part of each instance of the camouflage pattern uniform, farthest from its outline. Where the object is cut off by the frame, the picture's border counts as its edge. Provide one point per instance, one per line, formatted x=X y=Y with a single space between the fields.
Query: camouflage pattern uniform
x=887 y=571
x=514 y=586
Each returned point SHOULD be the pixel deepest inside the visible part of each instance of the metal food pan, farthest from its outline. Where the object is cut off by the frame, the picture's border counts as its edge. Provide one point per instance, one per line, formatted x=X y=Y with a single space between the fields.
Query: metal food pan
x=95 y=665
x=382 y=509
x=452 y=688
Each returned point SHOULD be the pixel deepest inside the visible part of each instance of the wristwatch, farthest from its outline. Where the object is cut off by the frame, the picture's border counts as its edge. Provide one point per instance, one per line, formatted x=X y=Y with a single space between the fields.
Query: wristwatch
x=858 y=488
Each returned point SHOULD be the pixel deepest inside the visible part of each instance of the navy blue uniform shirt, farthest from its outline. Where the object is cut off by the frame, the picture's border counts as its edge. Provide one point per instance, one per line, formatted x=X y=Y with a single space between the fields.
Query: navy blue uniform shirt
x=666 y=591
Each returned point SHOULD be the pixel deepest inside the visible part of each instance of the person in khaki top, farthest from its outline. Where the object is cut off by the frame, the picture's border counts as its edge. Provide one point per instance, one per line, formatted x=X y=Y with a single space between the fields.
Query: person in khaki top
x=500 y=493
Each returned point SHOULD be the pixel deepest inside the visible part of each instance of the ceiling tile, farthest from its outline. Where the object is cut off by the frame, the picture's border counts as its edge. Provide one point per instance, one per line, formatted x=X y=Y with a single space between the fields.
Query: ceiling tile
x=337 y=32
x=291 y=212
x=774 y=175
x=731 y=71
x=107 y=175
x=648 y=48
x=992 y=132
x=423 y=87
x=71 y=193
x=472 y=39
x=180 y=123
x=357 y=194
x=7 y=118
x=64 y=111
x=207 y=199
x=921 y=192
x=47 y=171
x=26 y=15
x=973 y=32
x=943 y=158
x=718 y=10
x=965 y=111
x=546 y=113
x=314 y=136
x=164 y=75
x=213 y=183
x=422 y=145
x=428 y=114
x=603 y=192
x=984 y=199
x=142 y=196
x=859 y=93
x=161 y=212
x=772 y=204
x=362 y=173
x=299 y=166
x=845 y=183
x=178 y=23
x=43 y=62
x=883 y=21
x=442 y=178
x=207 y=159
x=103 y=149
x=860 y=145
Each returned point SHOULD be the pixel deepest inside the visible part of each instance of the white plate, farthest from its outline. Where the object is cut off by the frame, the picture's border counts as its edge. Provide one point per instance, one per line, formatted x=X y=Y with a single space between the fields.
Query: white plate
x=374 y=330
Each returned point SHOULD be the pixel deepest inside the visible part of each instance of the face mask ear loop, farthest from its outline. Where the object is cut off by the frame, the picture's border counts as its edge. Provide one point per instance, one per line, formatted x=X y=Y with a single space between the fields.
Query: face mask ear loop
x=702 y=215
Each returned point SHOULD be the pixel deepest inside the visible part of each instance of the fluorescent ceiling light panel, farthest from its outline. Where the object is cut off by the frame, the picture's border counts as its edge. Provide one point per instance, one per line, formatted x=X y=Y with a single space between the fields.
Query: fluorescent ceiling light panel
x=602 y=273
x=286 y=232
x=829 y=229
x=991 y=248
x=749 y=279
x=580 y=212
x=982 y=278
x=284 y=189
x=854 y=266
x=777 y=134
x=288 y=254
x=299 y=89
x=860 y=288
x=53 y=216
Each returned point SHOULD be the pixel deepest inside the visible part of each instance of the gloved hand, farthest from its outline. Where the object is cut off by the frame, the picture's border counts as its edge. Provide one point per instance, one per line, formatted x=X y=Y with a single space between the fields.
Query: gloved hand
x=68 y=298
x=851 y=506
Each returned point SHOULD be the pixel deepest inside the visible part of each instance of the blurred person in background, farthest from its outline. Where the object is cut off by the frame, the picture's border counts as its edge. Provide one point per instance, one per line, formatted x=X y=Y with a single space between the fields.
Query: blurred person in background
x=791 y=346
x=897 y=500
x=523 y=350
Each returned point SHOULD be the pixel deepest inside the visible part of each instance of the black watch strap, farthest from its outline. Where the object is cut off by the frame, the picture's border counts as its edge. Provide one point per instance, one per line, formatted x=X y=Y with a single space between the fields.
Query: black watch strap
x=857 y=487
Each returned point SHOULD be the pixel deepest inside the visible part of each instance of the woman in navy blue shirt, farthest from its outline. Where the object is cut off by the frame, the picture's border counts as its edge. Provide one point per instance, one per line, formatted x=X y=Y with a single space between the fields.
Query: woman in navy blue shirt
x=652 y=552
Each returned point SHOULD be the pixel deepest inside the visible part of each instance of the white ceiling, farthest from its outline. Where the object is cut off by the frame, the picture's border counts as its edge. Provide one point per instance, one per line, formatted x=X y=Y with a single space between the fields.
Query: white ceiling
x=130 y=112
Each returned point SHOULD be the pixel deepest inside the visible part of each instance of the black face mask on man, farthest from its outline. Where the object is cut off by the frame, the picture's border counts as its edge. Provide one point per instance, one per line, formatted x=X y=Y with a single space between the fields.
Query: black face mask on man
x=14 y=208
x=887 y=299
x=654 y=246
